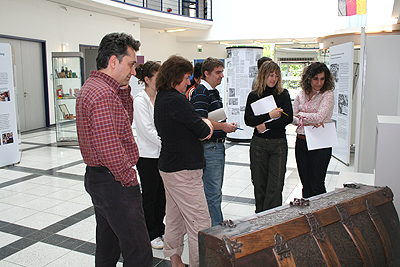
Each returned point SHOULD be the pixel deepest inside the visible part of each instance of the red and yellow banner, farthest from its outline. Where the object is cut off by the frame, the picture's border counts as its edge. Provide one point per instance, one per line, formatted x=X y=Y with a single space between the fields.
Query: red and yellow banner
x=352 y=7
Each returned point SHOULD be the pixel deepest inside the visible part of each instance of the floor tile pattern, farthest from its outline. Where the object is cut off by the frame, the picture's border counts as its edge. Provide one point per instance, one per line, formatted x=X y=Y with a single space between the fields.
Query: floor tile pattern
x=47 y=218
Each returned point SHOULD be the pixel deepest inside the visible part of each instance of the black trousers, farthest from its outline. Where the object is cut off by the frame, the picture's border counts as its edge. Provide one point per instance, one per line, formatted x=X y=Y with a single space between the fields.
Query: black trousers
x=268 y=159
x=120 y=222
x=312 y=166
x=153 y=194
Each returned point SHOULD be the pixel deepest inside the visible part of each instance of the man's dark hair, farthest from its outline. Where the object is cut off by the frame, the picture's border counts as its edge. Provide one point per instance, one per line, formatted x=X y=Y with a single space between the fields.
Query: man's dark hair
x=115 y=44
x=209 y=65
x=197 y=70
x=196 y=74
x=261 y=60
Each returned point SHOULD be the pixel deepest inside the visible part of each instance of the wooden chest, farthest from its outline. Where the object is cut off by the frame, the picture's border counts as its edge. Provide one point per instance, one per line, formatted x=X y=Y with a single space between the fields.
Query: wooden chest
x=345 y=227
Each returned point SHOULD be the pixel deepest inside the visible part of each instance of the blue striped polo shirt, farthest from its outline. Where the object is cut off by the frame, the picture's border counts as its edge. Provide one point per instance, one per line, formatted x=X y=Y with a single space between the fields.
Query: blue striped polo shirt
x=206 y=100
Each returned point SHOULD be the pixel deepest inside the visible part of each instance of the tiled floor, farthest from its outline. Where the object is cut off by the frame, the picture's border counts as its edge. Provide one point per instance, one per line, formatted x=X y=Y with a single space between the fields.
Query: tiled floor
x=46 y=217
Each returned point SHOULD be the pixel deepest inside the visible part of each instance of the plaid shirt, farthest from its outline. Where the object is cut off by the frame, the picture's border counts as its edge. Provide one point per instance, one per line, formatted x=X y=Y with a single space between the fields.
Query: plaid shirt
x=104 y=115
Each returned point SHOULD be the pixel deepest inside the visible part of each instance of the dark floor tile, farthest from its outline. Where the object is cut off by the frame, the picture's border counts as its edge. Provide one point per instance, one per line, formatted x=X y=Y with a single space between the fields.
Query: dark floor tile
x=227 y=198
x=24 y=231
x=7 y=251
x=68 y=221
x=333 y=172
x=22 y=243
x=81 y=215
x=89 y=210
x=3 y=223
x=39 y=235
x=10 y=228
x=55 y=228
x=54 y=239
x=87 y=248
x=71 y=243
x=241 y=199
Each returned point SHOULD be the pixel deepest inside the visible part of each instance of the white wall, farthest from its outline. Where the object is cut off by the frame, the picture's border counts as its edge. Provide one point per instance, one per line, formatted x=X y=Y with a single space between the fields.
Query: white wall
x=254 y=20
x=290 y=19
x=159 y=45
x=381 y=92
x=43 y=20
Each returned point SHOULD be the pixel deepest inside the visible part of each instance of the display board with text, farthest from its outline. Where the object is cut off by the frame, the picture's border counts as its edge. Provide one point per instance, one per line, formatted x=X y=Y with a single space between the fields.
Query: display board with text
x=241 y=70
x=9 y=148
x=341 y=59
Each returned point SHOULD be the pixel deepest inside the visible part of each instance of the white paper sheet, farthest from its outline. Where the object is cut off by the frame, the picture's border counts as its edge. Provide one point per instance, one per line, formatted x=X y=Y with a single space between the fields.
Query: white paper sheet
x=264 y=105
x=321 y=137
x=217 y=115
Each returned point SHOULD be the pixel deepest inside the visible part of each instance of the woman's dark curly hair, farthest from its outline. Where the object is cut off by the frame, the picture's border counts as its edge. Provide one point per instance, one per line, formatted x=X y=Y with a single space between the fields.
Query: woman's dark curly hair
x=310 y=71
x=172 y=71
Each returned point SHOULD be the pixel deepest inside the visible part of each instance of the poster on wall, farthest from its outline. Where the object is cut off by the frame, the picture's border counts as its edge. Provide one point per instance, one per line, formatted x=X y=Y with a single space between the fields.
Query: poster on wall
x=341 y=59
x=241 y=70
x=9 y=146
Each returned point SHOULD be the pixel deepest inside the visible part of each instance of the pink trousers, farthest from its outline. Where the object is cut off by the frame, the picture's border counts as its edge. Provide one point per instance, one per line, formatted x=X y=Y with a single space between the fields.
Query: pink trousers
x=186 y=212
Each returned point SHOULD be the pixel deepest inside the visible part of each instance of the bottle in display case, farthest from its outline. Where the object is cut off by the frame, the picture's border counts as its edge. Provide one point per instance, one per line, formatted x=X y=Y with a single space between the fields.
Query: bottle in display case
x=67 y=81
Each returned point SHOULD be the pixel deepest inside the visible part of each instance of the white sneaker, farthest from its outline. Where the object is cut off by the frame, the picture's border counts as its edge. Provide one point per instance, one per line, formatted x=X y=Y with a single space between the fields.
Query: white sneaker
x=157 y=243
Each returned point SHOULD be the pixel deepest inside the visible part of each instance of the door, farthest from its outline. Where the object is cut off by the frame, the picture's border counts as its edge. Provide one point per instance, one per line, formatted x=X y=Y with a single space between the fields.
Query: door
x=89 y=55
x=29 y=82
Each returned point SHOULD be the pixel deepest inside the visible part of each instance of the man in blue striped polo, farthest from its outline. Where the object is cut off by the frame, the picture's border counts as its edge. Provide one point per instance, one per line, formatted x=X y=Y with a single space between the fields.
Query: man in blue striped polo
x=205 y=99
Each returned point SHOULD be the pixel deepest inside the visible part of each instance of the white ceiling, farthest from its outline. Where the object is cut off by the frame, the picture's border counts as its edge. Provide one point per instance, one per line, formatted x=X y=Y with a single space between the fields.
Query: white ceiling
x=165 y=21
x=147 y=18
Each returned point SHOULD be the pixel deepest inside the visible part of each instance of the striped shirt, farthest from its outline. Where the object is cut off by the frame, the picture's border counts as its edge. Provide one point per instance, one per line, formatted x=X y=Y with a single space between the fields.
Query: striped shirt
x=104 y=115
x=206 y=99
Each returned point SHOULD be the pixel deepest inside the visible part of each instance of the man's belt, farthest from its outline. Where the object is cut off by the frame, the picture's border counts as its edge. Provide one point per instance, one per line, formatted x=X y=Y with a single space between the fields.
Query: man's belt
x=215 y=140
x=100 y=169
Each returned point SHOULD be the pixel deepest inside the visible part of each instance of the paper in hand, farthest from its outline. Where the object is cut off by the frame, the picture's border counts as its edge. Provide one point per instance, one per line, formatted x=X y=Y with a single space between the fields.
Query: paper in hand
x=264 y=106
x=217 y=115
x=321 y=137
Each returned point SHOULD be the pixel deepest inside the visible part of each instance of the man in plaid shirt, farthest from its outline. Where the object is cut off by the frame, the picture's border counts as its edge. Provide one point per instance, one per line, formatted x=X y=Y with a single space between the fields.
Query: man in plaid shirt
x=104 y=109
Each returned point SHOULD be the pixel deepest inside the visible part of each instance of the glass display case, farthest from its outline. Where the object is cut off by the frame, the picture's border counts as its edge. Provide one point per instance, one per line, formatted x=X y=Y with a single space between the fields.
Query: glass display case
x=67 y=80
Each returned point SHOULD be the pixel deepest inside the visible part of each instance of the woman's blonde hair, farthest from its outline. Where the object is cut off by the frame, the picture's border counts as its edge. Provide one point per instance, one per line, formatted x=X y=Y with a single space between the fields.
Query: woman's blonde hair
x=266 y=69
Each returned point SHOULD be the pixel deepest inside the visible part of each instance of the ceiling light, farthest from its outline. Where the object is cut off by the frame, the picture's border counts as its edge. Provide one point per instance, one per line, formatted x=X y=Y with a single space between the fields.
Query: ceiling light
x=223 y=43
x=199 y=46
x=176 y=30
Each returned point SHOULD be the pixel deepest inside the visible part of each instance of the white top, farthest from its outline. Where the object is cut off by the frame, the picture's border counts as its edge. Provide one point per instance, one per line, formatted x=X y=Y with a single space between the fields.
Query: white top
x=148 y=141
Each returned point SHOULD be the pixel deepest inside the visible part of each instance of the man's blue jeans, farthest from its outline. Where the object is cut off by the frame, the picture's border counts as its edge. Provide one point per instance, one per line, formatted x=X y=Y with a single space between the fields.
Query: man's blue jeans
x=213 y=175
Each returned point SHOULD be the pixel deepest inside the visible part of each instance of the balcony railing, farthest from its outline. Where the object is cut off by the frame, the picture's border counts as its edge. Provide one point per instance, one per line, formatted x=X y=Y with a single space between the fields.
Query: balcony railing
x=191 y=8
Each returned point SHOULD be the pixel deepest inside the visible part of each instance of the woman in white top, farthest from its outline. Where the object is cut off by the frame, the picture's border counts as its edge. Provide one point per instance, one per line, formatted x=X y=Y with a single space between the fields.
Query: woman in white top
x=149 y=144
